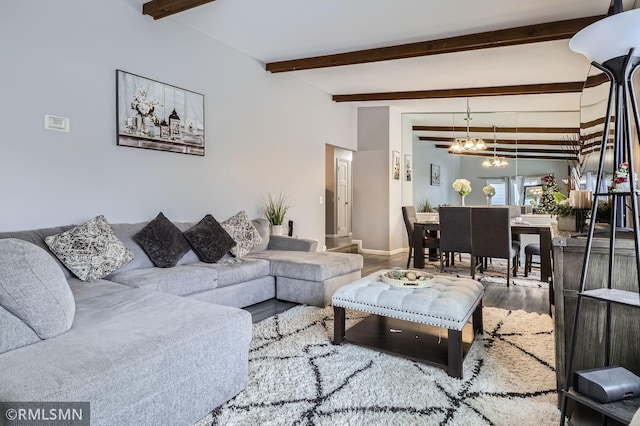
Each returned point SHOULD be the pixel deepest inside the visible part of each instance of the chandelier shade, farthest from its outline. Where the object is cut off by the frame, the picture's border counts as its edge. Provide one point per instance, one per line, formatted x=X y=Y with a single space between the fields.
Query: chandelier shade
x=467 y=144
x=496 y=161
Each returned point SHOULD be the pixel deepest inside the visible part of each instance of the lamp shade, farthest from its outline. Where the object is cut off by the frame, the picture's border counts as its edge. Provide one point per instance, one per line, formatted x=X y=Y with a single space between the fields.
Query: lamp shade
x=609 y=38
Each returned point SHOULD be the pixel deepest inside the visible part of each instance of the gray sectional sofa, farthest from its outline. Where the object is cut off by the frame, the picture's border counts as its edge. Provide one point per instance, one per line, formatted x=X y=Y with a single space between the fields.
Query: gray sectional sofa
x=151 y=345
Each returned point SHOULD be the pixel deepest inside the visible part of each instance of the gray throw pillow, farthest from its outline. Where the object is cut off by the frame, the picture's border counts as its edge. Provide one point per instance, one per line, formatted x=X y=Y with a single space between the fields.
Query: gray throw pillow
x=91 y=250
x=35 y=300
x=209 y=239
x=263 y=228
x=241 y=229
x=163 y=242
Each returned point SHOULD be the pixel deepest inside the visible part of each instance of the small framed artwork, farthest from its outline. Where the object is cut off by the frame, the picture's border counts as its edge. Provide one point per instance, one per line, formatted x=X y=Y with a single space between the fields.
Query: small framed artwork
x=408 y=170
x=435 y=175
x=155 y=115
x=395 y=165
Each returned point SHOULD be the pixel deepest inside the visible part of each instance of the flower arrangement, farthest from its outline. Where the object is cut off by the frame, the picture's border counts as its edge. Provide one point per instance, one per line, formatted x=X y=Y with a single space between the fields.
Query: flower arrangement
x=489 y=191
x=462 y=186
x=143 y=106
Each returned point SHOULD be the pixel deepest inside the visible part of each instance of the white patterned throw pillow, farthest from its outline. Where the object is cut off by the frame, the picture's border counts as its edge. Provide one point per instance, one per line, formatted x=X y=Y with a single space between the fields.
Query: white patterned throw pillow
x=243 y=233
x=91 y=251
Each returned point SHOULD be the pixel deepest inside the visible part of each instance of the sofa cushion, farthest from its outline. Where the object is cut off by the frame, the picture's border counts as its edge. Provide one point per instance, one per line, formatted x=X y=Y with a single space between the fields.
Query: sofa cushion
x=163 y=242
x=129 y=353
x=91 y=250
x=310 y=266
x=232 y=270
x=37 y=236
x=35 y=299
x=262 y=226
x=243 y=232
x=180 y=280
x=209 y=239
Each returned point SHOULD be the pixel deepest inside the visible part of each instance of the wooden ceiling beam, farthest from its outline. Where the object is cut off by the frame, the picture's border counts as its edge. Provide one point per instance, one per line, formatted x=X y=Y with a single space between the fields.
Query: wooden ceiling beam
x=556 y=143
x=498 y=129
x=163 y=8
x=499 y=150
x=537 y=33
x=522 y=89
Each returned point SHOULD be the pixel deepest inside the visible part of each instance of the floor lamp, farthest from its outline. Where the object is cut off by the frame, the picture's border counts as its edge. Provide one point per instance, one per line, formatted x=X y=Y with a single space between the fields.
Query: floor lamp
x=613 y=46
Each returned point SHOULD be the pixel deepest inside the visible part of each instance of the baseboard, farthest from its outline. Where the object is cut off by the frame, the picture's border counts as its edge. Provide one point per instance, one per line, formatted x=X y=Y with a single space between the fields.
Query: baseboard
x=384 y=252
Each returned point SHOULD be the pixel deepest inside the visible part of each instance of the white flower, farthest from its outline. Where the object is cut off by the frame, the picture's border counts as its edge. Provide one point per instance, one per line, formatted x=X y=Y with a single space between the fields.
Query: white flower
x=489 y=191
x=142 y=105
x=462 y=186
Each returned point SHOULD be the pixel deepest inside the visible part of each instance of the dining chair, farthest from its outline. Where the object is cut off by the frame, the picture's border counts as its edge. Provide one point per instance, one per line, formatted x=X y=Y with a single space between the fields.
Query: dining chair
x=491 y=238
x=455 y=232
x=410 y=218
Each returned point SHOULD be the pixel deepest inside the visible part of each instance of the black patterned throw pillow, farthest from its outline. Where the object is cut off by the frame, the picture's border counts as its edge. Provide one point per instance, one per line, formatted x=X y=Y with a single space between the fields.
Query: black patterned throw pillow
x=163 y=242
x=209 y=239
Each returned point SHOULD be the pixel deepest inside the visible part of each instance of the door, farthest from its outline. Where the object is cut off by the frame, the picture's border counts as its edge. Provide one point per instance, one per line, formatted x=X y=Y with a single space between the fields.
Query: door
x=342 y=199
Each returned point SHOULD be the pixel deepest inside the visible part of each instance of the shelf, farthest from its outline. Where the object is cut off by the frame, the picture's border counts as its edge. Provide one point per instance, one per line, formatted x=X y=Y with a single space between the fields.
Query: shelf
x=621 y=411
x=630 y=298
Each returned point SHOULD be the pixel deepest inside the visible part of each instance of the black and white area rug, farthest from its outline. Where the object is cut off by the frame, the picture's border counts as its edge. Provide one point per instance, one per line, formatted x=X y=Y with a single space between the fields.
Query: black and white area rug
x=297 y=377
x=495 y=273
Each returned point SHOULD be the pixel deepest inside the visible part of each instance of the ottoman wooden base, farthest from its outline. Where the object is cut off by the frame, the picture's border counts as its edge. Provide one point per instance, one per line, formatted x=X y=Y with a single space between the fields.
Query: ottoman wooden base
x=419 y=342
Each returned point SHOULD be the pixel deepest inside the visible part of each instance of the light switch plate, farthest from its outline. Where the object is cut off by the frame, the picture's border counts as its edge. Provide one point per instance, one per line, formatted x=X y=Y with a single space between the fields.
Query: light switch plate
x=53 y=122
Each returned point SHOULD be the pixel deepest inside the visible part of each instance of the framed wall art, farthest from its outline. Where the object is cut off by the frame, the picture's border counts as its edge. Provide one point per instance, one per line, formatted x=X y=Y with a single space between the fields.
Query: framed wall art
x=154 y=115
x=435 y=175
x=408 y=170
x=395 y=165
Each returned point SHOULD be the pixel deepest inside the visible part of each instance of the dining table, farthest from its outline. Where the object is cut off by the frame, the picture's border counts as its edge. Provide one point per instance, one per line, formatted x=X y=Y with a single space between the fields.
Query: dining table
x=517 y=228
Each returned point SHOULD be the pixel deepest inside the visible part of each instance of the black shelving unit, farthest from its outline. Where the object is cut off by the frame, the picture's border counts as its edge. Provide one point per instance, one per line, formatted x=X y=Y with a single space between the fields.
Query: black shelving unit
x=624 y=209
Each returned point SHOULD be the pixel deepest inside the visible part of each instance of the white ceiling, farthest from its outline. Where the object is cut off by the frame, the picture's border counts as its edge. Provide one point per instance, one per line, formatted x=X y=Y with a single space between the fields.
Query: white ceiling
x=274 y=30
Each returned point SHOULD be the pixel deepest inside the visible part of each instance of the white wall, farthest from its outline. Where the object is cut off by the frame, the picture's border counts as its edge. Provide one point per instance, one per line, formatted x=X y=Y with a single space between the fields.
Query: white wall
x=425 y=154
x=60 y=58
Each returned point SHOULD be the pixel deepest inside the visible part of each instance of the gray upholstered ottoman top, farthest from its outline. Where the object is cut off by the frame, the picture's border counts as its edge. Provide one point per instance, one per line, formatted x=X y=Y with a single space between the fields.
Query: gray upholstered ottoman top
x=449 y=303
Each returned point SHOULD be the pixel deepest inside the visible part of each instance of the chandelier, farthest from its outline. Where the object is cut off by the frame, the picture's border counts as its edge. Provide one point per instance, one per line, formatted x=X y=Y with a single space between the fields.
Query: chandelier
x=468 y=143
x=496 y=161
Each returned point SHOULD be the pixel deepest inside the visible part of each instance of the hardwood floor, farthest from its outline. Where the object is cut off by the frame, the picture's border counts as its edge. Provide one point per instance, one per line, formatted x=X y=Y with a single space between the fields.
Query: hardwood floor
x=513 y=297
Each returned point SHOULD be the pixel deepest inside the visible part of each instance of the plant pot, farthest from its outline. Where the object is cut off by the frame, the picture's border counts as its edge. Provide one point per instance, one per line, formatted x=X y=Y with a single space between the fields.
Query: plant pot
x=567 y=223
x=276 y=229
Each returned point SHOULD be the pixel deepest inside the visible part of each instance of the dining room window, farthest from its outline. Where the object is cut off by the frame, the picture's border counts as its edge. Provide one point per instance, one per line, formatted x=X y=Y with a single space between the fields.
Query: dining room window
x=501 y=197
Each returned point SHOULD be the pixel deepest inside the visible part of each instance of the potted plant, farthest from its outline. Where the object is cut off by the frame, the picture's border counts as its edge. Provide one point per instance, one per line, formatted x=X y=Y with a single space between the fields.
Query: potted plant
x=566 y=215
x=275 y=210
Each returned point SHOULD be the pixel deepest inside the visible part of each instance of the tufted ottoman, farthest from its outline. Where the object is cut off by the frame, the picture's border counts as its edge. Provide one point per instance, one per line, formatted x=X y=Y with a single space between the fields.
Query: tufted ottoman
x=449 y=303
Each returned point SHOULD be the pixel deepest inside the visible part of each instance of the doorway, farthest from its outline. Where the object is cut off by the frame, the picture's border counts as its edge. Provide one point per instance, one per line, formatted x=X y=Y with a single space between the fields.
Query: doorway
x=338 y=210
x=342 y=197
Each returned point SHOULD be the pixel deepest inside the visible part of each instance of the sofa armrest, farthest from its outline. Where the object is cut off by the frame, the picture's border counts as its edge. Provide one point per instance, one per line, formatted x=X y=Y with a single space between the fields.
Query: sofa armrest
x=281 y=242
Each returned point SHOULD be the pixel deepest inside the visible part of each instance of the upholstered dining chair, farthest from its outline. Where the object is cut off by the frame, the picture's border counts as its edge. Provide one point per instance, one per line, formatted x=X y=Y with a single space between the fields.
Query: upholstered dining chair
x=455 y=232
x=491 y=238
x=409 y=216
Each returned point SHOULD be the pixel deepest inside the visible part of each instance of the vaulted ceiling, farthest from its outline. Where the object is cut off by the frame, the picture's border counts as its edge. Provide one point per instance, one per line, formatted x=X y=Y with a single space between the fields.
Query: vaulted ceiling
x=421 y=57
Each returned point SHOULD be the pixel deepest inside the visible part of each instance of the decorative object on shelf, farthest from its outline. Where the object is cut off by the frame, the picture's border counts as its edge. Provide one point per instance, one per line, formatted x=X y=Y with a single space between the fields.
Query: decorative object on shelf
x=174 y=125
x=462 y=187
x=620 y=181
x=395 y=165
x=142 y=107
x=489 y=191
x=496 y=162
x=275 y=210
x=612 y=45
x=467 y=143
x=407 y=278
x=435 y=175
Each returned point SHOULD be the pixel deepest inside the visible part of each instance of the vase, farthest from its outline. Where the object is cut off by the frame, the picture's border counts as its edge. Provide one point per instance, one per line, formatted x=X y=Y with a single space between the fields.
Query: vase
x=488 y=200
x=142 y=126
x=276 y=229
x=462 y=199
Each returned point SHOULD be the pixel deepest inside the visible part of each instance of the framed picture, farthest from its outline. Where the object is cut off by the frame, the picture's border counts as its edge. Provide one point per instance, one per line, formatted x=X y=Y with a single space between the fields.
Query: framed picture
x=395 y=165
x=408 y=170
x=154 y=115
x=435 y=175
